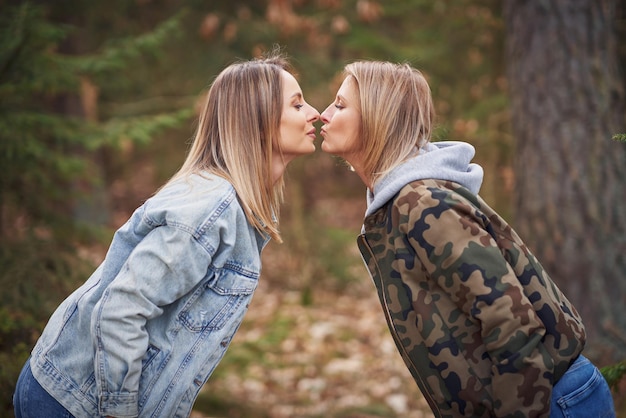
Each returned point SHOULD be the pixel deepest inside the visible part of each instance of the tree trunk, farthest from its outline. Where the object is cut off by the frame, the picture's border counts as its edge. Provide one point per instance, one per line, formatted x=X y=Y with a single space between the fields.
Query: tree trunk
x=567 y=100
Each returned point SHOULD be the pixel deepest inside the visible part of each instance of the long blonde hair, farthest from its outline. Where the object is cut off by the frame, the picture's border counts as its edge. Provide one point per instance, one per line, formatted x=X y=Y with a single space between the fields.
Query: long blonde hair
x=239 y=122
x=397 y=113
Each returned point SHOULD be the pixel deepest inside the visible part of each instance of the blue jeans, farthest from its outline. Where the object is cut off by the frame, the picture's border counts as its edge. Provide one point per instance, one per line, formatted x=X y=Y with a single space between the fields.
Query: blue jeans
x=32 y=401
x=582 y=392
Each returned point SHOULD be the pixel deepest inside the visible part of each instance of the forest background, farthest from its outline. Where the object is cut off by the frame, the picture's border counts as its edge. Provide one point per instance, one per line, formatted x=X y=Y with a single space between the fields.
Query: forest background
x=97 y=106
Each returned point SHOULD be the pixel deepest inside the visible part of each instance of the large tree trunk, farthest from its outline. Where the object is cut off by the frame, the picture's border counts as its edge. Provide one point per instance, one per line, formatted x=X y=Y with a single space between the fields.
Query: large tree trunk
x=567 y=101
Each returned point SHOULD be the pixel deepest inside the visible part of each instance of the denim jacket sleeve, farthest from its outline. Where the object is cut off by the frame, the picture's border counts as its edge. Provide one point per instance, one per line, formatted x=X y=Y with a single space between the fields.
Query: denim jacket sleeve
x=165 y=265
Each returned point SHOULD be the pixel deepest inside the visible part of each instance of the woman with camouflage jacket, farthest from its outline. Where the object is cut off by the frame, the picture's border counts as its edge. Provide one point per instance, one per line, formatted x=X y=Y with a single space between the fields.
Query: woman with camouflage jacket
x=481 y=326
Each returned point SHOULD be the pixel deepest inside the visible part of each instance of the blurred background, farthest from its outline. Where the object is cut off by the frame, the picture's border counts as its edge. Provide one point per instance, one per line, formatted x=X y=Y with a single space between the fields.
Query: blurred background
x=97 y=107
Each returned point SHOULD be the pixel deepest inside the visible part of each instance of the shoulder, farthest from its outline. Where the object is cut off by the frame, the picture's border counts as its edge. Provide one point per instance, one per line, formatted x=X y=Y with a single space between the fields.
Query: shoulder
x=194 y=185
x=433 y=197
x=193 y=201
x=436 y=213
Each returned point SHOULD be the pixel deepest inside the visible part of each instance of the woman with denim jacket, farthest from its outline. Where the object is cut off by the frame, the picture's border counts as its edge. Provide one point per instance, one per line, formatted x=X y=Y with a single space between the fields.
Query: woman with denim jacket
x=143 y=334
x=482 y=328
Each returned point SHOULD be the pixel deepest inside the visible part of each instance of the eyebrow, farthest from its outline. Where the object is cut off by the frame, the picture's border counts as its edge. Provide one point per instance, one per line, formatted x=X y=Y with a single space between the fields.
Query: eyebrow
x=297 y=94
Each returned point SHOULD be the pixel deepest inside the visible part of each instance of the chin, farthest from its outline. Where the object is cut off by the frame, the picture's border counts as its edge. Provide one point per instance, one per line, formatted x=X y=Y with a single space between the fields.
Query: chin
x=330 y=151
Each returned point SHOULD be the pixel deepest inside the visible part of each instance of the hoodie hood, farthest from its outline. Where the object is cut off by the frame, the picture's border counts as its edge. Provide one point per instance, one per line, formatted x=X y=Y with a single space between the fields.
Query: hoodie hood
x=447 y=160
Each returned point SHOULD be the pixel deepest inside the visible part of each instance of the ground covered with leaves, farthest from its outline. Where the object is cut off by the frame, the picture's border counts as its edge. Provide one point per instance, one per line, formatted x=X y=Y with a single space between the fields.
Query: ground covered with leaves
x=332 y=357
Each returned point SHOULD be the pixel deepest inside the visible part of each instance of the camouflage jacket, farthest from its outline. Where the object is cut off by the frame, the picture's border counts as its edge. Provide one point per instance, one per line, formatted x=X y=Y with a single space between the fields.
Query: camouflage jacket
x=481 y=326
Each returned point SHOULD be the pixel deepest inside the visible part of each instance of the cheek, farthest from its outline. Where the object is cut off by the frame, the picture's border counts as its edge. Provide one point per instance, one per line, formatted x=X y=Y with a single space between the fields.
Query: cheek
x=351 y=135
x=288 y=124
x=348 y=129
x=353 y=127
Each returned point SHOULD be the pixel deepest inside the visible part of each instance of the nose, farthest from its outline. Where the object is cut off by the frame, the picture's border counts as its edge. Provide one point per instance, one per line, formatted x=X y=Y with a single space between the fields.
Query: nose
x=313 y=114
x=327 y=115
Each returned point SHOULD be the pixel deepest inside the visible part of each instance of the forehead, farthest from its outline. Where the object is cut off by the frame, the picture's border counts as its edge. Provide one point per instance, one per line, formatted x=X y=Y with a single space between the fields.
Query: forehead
x=348 y=89
x=290 y=84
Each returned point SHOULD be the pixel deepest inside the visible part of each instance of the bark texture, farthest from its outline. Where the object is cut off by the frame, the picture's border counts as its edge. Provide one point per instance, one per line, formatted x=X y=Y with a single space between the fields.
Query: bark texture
x=568 y=99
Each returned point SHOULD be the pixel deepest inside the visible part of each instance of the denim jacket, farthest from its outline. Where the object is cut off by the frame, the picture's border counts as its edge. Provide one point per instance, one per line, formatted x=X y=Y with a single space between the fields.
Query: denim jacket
x=143 y=334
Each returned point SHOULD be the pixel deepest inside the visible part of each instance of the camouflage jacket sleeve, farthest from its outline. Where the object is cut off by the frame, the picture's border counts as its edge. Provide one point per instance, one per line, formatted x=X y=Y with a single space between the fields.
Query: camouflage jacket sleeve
x=458 y=253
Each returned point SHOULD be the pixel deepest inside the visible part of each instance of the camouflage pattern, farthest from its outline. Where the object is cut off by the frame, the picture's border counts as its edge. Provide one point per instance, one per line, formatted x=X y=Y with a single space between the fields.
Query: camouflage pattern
x=481 y=326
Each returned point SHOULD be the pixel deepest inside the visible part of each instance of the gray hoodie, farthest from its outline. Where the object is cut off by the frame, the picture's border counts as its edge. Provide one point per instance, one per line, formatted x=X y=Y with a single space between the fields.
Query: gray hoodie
x=448 y=160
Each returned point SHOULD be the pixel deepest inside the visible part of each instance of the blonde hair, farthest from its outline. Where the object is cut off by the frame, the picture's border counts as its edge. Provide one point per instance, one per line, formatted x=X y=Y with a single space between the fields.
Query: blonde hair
x=239 y=122
x=397 y=113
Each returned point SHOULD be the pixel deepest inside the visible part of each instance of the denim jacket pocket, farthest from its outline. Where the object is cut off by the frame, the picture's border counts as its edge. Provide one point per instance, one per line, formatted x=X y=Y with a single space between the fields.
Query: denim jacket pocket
x=152 y=362
x=213 y=303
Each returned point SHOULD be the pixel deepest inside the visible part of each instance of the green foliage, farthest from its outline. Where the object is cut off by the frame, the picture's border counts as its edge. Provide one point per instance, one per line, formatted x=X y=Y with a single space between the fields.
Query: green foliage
x=36 y=275
x=118 y=54
x=43 y=150
x=619 y=137
x=334 y=259
x=139 y=129
x=27 y=62
x=34 y=142
x=614 y=374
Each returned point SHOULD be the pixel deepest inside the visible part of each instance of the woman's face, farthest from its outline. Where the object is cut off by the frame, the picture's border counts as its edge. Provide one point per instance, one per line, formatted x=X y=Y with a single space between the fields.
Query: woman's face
x=342 y=122
x=297 y=133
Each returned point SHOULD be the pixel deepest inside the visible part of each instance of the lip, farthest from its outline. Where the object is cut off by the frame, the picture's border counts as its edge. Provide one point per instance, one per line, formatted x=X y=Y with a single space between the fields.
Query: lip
x=311 y=133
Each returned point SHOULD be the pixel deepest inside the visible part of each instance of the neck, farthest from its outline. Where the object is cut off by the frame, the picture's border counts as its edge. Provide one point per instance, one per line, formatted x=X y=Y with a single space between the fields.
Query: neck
x=279 y=165
x=365 y=178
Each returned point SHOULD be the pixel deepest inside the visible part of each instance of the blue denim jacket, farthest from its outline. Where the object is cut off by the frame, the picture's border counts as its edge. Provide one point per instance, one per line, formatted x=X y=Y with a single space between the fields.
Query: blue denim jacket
x=142 y=335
